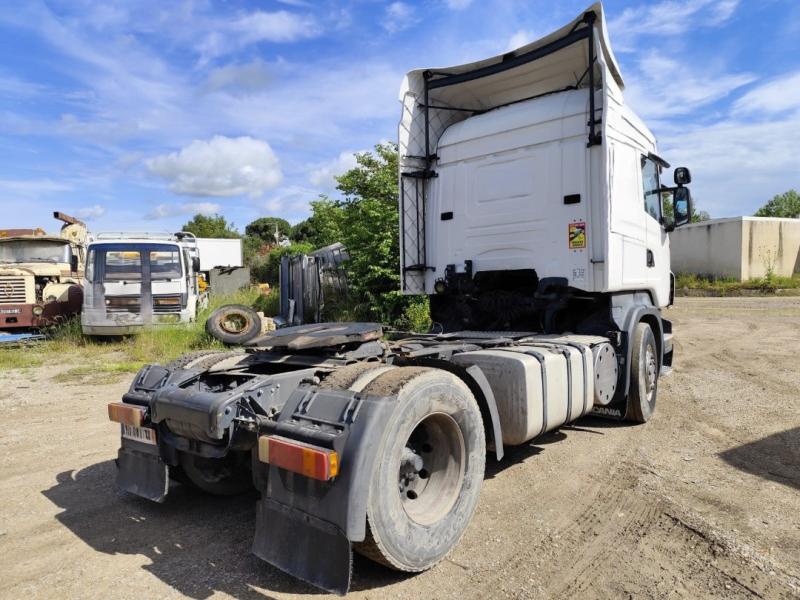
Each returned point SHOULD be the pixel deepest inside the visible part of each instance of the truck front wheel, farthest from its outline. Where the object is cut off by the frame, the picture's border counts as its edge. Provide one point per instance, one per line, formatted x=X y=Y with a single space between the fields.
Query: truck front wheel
x=644 y=375
x=428 y=470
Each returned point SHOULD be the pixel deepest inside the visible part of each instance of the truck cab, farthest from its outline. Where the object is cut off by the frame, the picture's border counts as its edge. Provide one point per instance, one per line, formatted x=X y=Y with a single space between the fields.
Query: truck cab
x=139 y=280
x=40 y=275
x=531 y=215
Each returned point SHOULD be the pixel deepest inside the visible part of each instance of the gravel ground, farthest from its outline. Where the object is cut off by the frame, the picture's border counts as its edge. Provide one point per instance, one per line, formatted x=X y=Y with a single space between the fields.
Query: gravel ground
x=700 y=502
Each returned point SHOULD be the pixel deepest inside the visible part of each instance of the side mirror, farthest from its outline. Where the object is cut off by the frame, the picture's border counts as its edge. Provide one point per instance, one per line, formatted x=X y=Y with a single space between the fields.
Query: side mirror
x=73 y=263
x=681 y=206
x=195 y=264
x=682 y=176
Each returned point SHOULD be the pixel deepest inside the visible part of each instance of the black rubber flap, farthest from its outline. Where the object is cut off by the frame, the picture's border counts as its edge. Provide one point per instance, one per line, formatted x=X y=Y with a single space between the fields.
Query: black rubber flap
x=142 y=474
x=318 y=335
x=303 y=546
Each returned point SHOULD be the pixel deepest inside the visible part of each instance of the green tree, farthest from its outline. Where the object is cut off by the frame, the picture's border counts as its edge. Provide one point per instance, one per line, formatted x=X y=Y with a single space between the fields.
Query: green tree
x=323 y=227
x=371 y=235
x=204 y=226
x=785 y=205
x=266 y=267
x=265 y=227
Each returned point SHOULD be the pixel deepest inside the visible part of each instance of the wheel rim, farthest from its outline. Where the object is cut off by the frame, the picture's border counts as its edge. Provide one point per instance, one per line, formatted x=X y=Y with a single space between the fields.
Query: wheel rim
x=431 y=469
x=234 y=323
x=651 y=371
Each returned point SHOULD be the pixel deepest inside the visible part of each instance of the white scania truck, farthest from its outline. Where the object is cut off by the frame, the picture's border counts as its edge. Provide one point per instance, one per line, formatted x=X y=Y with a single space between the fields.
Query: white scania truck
x=531 y=214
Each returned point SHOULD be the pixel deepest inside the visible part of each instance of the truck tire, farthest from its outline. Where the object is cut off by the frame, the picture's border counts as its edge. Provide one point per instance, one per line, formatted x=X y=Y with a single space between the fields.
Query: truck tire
x=357 y=375
x=233 y=324
x=428 y=471
x=202 y=359
x=225 y=476
x=644 y=375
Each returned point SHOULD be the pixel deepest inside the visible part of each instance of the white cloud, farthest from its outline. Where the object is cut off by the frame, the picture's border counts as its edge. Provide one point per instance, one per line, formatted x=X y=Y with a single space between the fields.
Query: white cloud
x=30 y=188
x=457 y=4
x=221 y=166
x=776 y=96
x=398 y=16
x=519 y=39
x=279 y=26
x=90 y=212
x=14 y=87
x=290 y=202
x=323 y=174
x=187 y=208
x=246 y=77
x=736 y=165
x=668 y=17
x=220 y=36
x=664 y=87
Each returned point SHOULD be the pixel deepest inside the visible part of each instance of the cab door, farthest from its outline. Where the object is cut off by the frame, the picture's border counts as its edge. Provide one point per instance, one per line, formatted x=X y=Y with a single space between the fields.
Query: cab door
x=656 y=256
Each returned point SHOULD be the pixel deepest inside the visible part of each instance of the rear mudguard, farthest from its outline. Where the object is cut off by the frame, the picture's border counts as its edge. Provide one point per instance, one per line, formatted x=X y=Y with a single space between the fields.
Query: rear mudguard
x=305 y=526
x=142 y=471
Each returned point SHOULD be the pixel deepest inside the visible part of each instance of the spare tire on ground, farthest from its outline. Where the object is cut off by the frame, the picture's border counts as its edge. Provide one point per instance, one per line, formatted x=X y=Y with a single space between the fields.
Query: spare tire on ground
x=233 y=324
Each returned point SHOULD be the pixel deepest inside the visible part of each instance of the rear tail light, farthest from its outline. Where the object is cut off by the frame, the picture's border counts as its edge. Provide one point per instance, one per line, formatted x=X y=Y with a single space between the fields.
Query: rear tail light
x=126 y=414
x=311 y=461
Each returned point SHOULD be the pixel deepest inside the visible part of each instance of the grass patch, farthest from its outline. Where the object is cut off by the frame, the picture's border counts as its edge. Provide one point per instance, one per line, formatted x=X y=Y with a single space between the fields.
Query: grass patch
x=159 y=344
x=729 y=285
x=98 y=373
x=18 y=358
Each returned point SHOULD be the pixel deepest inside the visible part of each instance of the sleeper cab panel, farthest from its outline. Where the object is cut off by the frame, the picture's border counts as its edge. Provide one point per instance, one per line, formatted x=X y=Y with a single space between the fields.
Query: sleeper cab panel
x=527 y=403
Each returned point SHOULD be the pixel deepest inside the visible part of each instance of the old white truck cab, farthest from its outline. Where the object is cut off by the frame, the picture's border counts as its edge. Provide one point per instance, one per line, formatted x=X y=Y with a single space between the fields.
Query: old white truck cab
x=140 y=279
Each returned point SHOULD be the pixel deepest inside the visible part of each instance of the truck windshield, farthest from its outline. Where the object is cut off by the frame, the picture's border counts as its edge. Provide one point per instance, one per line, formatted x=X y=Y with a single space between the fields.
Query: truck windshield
x=22 y=251
x=165 y=263
x=125 y=261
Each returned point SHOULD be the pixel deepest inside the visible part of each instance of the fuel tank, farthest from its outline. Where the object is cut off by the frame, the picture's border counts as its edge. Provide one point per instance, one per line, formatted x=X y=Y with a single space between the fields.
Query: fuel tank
x=539 y=384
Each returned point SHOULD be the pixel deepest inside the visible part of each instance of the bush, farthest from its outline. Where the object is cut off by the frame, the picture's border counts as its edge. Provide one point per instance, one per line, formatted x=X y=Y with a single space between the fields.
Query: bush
x=416 y=316
x=267 y=268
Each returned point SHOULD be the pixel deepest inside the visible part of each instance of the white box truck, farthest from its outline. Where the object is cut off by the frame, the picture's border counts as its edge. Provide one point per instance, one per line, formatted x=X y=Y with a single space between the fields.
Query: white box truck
x=531 y=214
x=134 y=280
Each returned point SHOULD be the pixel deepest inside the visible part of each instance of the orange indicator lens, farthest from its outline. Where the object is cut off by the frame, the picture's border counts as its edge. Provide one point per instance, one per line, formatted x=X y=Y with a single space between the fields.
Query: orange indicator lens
x=127 y=414
x=311 y=461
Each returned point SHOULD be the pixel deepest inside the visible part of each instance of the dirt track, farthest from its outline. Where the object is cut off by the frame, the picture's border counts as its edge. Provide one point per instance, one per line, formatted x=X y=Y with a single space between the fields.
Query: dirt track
x=703 y=501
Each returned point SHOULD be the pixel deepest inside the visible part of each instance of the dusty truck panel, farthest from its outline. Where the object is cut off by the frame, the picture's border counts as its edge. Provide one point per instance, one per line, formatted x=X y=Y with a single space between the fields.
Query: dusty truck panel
x=530 y=215
x=138 y=280
x=40 y=274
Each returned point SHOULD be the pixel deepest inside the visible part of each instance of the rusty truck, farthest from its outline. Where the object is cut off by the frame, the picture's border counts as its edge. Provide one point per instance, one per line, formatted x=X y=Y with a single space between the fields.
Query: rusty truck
x=531 y=215
x=40 y=274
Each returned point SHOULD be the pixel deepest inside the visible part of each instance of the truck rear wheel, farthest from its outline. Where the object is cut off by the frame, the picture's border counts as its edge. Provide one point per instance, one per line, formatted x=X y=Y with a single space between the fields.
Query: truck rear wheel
x=428 y=472
x=202 y=359
x=644 y=375
x=225 y=476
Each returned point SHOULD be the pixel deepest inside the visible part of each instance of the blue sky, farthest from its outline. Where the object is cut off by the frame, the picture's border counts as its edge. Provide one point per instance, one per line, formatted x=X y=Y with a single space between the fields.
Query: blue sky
x=137 y=115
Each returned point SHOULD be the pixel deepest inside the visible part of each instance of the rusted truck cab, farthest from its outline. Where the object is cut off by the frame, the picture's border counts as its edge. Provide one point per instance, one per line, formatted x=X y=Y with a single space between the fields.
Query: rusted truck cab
x=40 y=275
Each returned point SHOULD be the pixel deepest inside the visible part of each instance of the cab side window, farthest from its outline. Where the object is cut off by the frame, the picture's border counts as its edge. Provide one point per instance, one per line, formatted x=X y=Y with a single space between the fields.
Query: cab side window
x=651 y=188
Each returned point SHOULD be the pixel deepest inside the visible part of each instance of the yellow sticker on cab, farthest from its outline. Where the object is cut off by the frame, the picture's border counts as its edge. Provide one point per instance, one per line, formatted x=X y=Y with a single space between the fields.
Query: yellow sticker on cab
x=577 y=235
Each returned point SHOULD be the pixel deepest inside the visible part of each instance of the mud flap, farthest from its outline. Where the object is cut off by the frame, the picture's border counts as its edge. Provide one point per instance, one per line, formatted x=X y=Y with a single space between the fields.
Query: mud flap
x=143 y=474
x=305 y=546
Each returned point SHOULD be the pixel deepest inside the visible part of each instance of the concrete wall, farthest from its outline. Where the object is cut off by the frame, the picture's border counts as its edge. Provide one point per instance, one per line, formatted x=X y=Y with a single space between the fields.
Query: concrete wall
x=227 y=280
x=740 y=247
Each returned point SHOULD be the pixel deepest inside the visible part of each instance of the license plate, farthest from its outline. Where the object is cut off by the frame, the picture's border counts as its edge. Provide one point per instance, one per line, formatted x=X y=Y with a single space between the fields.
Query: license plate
x=139 y=434
x=10 y=311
